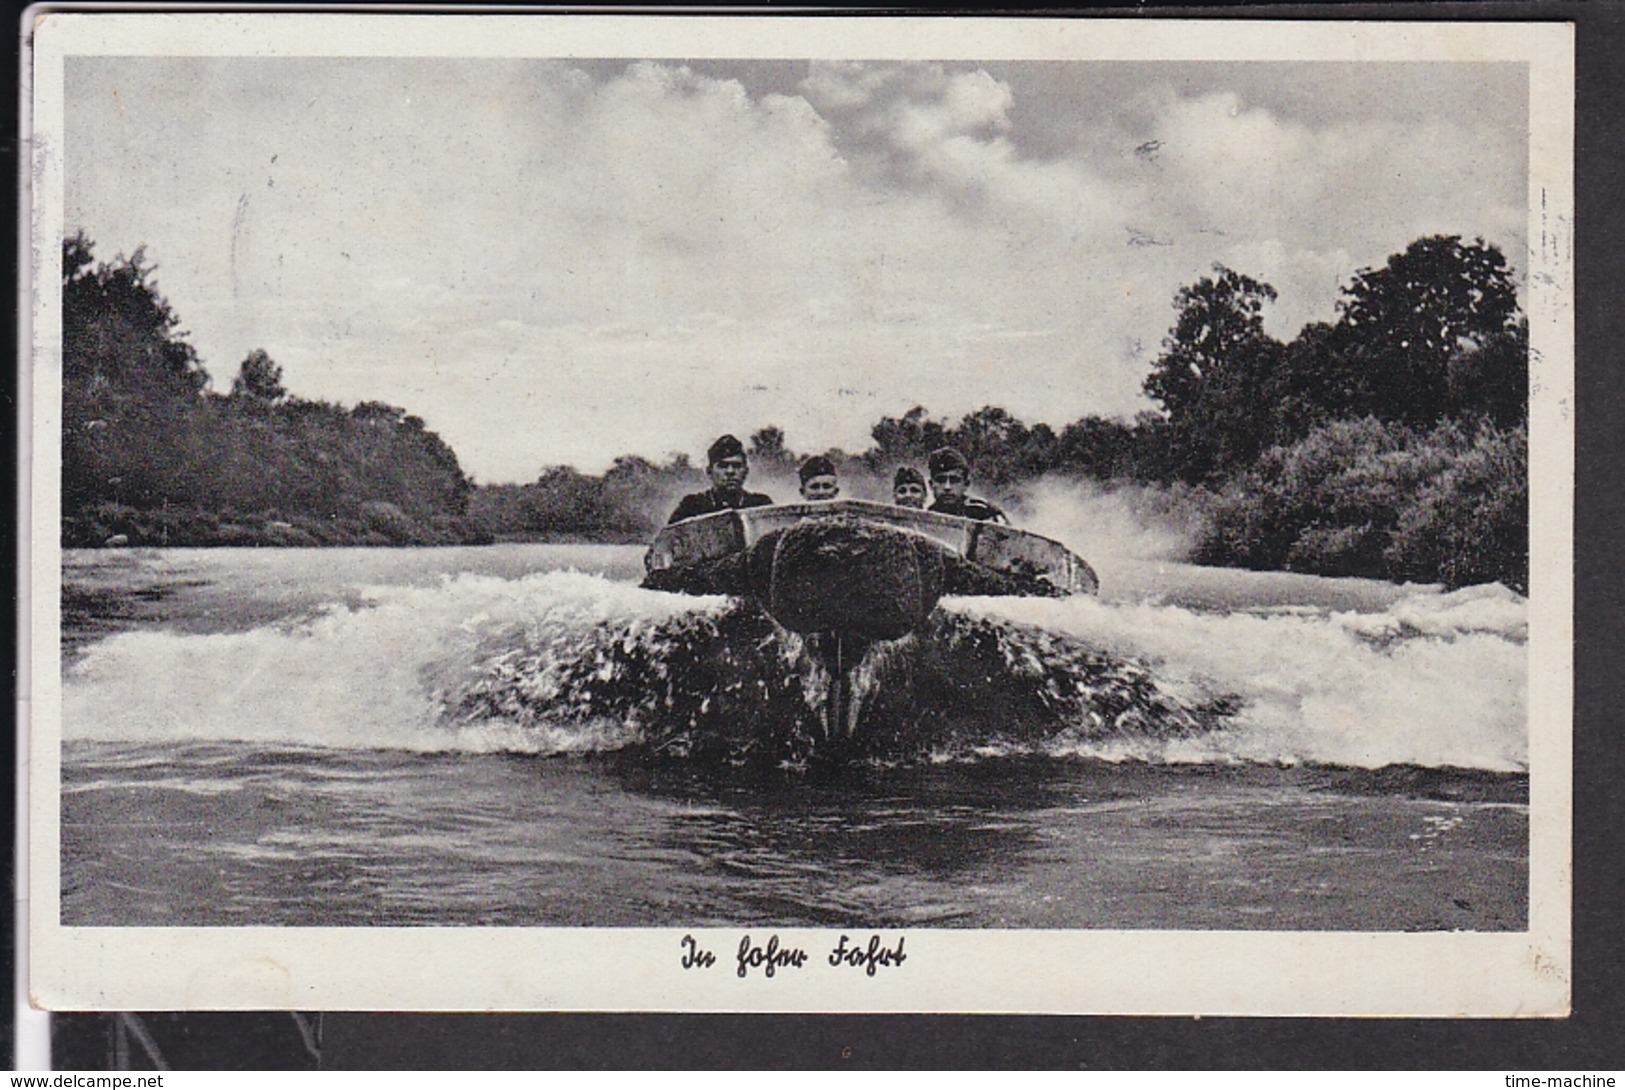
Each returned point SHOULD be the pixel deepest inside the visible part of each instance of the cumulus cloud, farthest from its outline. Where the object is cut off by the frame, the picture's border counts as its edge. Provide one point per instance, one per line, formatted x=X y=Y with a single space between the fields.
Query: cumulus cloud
x=560 y=263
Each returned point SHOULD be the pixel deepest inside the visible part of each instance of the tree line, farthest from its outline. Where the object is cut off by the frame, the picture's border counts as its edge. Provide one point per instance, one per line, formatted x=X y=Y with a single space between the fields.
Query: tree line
x=1389 y=442
x=150 y=455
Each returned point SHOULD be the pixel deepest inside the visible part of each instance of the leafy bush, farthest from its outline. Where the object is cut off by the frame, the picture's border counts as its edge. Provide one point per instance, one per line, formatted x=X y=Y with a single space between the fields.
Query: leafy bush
x=1364 y=498
x=1470 y=523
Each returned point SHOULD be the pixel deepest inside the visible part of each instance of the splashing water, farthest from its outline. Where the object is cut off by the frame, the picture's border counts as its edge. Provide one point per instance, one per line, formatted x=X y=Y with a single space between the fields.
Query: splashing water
x=1125 y=521
x=565 y=662
x=733 y=686
x=1433 y=680
x=345 y=738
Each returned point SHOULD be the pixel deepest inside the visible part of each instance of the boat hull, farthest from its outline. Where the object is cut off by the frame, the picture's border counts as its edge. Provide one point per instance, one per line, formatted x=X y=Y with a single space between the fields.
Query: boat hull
x=844 y=575
x=869 y=570
x=848 y=576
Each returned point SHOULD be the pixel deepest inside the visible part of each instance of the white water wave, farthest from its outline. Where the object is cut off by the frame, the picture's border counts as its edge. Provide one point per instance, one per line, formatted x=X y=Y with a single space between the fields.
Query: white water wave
x=369 y=677
x=1433 y=679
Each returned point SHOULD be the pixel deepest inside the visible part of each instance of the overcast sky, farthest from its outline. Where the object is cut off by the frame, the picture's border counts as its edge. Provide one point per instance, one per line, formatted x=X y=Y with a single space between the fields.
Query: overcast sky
x=557 y=262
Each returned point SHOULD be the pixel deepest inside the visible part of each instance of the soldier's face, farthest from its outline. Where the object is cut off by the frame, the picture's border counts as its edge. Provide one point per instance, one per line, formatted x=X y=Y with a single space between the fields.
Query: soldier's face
x=729 y=474
x=824 y=487
x=909 y=494
x=951 y=484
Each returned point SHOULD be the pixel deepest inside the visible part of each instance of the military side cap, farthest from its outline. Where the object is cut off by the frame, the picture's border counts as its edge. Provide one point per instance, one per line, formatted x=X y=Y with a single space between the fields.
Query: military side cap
x=816 y=466
x=726 y=446
x=907 y=475
x=945 y=458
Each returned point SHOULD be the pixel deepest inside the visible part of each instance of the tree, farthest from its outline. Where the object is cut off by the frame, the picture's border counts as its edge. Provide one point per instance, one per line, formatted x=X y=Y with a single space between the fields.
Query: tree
x=140 y=435
x=259 y=379
x=118 y=330
x=379 y=413
x=1002 y=448
x=1099 y=448
x=130 y=383
x=1214 y=374
x=988 y=437
x=1315 y=384
x=907 y=439
x=768 y=443
x=76 y=256
x=1491 y=380
x=768 y=452
x=1401 y=325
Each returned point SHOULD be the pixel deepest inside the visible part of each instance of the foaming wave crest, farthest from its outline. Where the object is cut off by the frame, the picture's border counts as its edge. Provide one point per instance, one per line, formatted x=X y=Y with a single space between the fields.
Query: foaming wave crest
x=572 y=663
x=564 y=662
x=1436 y=680
x=379 y=676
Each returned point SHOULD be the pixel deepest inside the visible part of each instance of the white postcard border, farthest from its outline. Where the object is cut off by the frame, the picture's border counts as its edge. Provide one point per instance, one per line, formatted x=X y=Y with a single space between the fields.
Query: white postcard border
x=1119 y=972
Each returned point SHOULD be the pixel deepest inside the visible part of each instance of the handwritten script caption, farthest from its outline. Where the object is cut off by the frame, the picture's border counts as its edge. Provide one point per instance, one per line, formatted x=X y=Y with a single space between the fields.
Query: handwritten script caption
x=773 y=957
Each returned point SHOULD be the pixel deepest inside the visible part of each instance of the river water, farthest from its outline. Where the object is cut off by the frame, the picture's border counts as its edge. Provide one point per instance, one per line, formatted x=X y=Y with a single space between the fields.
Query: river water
x=519 y=735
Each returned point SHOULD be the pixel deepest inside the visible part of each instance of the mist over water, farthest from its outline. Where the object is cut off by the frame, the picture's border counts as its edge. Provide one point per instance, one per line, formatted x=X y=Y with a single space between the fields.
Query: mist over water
x=1126 y=522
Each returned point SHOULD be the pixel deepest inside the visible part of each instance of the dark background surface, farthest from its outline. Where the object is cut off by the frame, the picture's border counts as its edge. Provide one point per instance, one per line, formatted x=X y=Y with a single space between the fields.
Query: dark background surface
x=1589 y=1040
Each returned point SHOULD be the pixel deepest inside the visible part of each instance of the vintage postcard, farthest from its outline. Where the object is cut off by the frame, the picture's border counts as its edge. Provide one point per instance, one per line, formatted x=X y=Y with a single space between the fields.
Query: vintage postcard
x=778 y=514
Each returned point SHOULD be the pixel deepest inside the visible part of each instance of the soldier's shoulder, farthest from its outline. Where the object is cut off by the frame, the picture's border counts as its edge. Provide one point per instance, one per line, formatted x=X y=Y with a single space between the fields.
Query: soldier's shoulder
x=695 y=503
x=756 y=499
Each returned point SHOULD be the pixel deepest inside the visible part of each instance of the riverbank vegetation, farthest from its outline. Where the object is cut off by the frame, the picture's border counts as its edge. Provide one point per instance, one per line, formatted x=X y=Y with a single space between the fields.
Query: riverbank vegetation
x=1389 y=441
x=151 y=456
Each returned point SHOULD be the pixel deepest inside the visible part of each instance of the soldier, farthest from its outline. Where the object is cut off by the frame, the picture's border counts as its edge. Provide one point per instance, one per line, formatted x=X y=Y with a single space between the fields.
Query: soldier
x=950 y=480
x=818 y=482
x=908 y=488
x=727 y=468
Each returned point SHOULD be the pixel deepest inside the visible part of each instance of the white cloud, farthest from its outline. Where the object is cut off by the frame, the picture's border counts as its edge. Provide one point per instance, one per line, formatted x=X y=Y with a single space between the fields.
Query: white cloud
x=555 y=266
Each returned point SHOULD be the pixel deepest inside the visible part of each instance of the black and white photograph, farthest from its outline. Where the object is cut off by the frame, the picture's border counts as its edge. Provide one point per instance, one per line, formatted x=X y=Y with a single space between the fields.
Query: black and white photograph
x=766 y=514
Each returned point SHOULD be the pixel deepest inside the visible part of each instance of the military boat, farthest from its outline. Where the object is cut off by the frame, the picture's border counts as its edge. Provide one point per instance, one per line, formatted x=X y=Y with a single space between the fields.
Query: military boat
x=845 y=575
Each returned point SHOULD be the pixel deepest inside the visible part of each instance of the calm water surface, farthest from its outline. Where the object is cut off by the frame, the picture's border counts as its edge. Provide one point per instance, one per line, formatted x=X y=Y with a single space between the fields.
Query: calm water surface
x=462 y=736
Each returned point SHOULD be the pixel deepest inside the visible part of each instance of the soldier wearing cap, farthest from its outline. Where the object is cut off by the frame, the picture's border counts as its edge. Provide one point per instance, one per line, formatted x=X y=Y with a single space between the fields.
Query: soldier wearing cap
x=818 y=482
x=950 y=480
x=908 y=488
x=727 y=468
